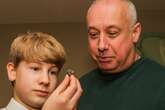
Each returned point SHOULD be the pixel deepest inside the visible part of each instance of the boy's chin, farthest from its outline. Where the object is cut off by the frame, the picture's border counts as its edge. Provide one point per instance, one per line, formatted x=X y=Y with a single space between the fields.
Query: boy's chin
x=38 y=102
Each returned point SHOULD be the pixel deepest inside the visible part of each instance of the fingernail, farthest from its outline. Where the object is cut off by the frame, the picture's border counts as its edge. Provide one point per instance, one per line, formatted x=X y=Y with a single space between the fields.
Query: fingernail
x=70 y=72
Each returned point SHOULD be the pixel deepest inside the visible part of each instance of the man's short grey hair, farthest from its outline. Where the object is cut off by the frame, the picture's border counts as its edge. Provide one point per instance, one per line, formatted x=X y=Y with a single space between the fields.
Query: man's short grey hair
x=132 y=13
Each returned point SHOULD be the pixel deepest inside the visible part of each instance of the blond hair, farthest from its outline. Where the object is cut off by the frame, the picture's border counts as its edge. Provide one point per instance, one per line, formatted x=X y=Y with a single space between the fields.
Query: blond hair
x=37 y=46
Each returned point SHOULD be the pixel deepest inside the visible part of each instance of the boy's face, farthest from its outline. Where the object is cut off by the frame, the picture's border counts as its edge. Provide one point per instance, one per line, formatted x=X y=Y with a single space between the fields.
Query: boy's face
x=33 y=82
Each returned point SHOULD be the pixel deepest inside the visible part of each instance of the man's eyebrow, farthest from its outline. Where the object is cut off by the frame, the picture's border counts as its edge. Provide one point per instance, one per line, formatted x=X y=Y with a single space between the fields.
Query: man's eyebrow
x=91 y=27
x=113 y=26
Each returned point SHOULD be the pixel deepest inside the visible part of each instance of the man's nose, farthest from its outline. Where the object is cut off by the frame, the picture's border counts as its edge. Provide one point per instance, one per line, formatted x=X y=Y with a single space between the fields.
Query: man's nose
x=102 y=43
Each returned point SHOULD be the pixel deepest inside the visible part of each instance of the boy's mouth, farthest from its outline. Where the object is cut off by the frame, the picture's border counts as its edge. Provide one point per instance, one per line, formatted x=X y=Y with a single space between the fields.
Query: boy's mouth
x=41 y=93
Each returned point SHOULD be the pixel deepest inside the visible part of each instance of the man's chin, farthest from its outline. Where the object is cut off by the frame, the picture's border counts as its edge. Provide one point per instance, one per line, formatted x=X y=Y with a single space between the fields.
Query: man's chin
x=108 y=68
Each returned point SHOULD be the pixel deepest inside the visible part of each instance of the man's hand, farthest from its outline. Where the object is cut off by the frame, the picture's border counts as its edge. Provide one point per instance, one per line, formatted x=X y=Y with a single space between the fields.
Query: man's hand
x=66 y=95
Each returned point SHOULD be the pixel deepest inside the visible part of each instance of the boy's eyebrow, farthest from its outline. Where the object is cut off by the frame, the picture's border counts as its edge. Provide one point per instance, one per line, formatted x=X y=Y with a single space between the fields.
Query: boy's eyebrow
x=35 y=62
x=54 y=66
x=40 y=63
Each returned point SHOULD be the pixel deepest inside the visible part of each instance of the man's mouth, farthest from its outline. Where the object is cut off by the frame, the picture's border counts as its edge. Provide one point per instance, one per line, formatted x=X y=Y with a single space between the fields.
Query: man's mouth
x=105 y=59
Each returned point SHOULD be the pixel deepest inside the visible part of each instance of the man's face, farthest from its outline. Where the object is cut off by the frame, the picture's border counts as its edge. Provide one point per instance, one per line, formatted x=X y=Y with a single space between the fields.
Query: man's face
x=111 y=39
x=33 y=82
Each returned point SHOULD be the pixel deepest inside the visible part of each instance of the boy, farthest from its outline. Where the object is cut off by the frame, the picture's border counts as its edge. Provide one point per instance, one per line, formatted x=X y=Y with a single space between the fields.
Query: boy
x=35 y=60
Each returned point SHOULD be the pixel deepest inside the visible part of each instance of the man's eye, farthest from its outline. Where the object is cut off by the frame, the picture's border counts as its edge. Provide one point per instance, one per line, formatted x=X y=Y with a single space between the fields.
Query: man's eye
x=93 y=34
x=113 y=34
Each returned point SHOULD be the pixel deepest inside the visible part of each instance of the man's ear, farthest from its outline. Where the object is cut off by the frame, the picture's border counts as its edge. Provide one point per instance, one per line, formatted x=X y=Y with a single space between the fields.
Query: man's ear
x=11 y=71
x=136 y=32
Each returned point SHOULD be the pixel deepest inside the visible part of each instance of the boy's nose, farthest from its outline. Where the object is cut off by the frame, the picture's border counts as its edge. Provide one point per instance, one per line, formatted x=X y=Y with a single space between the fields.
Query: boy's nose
x=44 y=79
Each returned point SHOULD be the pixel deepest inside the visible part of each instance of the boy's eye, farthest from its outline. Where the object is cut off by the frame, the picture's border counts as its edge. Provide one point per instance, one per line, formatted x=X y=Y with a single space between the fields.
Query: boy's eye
x=54 y=71
x=35 y=68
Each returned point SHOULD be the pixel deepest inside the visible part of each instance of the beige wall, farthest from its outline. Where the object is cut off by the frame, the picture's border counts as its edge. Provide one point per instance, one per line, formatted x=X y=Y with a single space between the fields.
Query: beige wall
x=152 y=21
x=74 y=38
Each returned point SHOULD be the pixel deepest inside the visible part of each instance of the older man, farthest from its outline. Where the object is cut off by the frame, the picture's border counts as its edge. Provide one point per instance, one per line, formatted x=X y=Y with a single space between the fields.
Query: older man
x=124 y=80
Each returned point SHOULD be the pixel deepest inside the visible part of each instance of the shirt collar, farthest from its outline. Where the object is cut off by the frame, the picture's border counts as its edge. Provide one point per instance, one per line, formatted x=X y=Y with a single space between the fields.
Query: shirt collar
x=14 y=105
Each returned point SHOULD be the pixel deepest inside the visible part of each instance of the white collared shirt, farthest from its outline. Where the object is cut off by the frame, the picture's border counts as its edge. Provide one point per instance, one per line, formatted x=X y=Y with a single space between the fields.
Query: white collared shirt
x=14 y=105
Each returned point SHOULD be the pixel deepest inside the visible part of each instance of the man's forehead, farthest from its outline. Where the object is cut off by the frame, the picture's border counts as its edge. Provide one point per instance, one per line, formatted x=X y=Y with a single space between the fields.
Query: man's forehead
x=108 y=2
x=107 y=13
x=105 y=5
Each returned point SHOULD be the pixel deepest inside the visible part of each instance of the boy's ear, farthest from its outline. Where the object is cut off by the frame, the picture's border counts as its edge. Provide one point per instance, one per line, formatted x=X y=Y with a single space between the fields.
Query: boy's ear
x=11 y=72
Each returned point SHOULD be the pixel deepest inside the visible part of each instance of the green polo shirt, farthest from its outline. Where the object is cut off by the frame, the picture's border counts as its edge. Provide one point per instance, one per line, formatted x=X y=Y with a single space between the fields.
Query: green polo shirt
x=141 y=87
